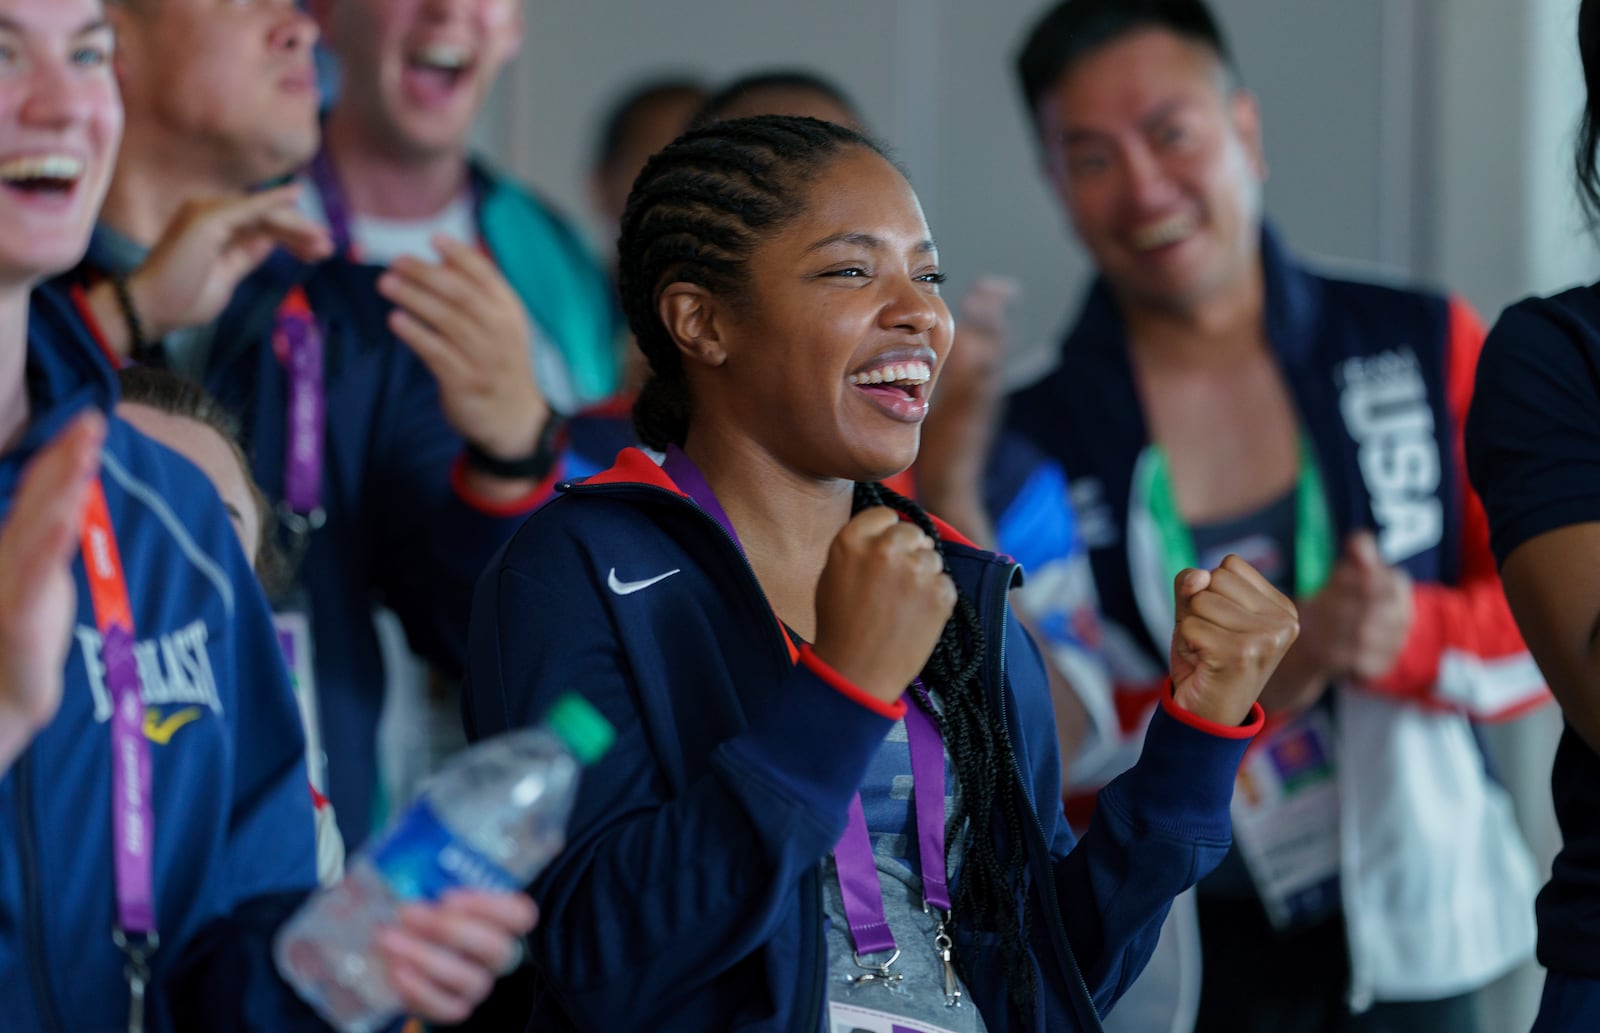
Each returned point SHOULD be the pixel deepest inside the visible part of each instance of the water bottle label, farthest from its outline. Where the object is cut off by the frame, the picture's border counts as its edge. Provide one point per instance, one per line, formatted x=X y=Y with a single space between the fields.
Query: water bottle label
x=421 y=859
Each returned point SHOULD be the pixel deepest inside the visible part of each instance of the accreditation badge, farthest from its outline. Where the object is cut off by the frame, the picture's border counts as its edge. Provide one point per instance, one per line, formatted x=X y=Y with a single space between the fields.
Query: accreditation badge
x=293 y=626
x=852 y=1018
x=1286 y=821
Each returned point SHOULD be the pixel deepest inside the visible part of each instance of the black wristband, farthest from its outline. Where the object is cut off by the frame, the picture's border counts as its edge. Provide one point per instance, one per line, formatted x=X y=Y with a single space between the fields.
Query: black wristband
x=138 y=342
x=533 y=466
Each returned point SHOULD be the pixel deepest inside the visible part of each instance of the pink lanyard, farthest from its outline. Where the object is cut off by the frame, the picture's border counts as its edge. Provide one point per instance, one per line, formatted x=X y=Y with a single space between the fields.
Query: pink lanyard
x=132 y=820
x=858 y=873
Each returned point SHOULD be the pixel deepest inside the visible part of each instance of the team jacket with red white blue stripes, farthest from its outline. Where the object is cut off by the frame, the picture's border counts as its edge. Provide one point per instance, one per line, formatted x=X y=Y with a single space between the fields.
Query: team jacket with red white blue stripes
x=1381 y=379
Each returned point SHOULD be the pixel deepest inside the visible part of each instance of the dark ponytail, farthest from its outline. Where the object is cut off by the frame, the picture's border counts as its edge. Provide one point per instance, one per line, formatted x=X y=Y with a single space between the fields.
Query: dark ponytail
x=1587 y=161
x=988 y=889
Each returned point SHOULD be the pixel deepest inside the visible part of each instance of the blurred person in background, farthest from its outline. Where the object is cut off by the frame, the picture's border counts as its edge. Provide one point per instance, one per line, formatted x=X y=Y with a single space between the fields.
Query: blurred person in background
x=178 y=413
x=644 y=119
x=395 y=174
x=399 y=443
x=782 y=91
x=1216 y=396
x=396 y=185
x=1533 y=447
x=157 y=824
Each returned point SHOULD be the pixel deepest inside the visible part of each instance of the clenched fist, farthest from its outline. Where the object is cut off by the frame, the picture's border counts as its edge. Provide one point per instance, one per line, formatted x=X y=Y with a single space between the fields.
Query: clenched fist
x=882 y=602
x=1231 y=629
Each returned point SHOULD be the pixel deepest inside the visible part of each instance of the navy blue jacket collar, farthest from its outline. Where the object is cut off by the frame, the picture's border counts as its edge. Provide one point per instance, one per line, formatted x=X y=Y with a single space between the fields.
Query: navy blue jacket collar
x=1293 y=303
x=66 y=374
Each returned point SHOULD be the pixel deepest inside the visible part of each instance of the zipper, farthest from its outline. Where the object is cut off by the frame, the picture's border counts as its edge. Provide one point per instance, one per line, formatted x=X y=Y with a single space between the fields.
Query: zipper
x=32 y=896
x=818 y=950
x=1358 y=993
x=819 y=956
x=1058 y=931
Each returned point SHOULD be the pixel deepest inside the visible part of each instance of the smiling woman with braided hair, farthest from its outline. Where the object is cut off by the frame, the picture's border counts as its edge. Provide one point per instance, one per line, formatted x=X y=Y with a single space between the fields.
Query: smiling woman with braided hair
x=793 y=656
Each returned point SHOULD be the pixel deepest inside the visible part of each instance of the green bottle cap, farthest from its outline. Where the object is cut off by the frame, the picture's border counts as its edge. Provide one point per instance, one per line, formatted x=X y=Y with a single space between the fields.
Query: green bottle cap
x=580 y=726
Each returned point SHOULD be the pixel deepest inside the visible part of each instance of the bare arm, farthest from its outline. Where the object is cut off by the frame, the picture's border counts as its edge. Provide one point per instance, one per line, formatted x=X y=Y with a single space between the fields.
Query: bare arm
x=1552 y=582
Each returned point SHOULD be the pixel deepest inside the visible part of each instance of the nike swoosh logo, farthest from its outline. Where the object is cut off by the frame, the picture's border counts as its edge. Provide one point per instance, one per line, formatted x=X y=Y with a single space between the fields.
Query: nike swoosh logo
x=160 y=731
x=630 y=587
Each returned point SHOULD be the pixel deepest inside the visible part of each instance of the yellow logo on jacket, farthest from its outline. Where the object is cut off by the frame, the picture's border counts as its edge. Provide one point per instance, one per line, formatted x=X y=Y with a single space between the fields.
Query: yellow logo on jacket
x=160 y=730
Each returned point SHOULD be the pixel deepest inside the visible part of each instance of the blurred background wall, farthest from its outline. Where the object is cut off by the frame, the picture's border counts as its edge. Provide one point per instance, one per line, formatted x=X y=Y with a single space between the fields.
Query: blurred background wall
x=1425 y=139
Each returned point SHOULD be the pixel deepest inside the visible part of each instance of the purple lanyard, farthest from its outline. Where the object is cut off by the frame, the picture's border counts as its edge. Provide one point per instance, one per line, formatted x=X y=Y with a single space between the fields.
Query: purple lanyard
x=298 y=342
x=858 y=873
x=132 y=818
x=687 y=476
x=334 y=210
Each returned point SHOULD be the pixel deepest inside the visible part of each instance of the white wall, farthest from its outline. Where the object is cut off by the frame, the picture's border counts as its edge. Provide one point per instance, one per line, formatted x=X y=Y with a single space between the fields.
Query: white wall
x=934 y=78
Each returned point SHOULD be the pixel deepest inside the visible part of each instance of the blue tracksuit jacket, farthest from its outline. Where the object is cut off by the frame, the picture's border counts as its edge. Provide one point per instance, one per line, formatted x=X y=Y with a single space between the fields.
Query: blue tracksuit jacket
x=233 y=825
x=399 y=529
x=688 y=897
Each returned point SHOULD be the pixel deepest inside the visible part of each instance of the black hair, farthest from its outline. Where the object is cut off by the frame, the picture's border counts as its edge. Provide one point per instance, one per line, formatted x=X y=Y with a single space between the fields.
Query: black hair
x=728 y=97
x=1073 y=29
x=698 y=211
x=986 y=894
x=1587 y=161
x=625 y=111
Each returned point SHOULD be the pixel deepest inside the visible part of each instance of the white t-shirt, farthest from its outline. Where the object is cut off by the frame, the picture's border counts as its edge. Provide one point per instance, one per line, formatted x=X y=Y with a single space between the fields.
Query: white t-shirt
x=379 y=241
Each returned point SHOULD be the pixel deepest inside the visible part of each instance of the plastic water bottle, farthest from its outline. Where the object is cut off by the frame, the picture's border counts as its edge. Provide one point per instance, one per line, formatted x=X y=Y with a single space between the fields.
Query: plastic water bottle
x=489 y=819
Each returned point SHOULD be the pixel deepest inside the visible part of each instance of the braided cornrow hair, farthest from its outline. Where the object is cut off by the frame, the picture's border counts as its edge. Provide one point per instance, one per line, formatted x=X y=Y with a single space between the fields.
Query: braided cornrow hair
x=699 y=209
x=987 y=890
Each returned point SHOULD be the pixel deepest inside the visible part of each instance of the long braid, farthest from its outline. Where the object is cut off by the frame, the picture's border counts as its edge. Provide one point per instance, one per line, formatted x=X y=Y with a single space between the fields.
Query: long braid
x=986 y=894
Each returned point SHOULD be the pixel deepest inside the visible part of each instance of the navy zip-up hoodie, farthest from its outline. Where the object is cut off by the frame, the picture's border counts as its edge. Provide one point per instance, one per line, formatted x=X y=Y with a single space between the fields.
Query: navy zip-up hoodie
x=688 y=897
x=233 y=822
x=400 y=527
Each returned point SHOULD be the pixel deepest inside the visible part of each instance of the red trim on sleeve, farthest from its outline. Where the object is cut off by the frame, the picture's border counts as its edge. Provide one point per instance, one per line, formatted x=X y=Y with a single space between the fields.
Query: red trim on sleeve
x=514 y=507
x=819 y=667
x=80 y=301
x=1248 y=730
x=318 y=801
